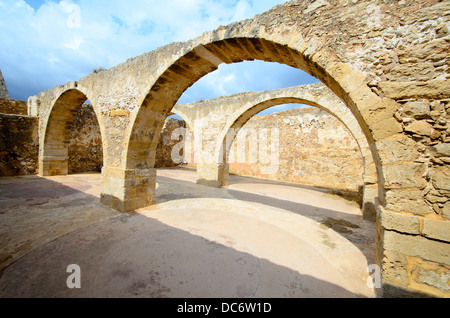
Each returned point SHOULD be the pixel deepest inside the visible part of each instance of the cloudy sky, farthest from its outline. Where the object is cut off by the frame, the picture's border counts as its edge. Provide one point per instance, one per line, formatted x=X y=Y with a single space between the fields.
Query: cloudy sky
x=50 y=42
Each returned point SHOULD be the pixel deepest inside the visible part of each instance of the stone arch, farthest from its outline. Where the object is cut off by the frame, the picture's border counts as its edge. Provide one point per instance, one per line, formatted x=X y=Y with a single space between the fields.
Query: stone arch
x=55 y=131
x=181 y=112
x=202 y=56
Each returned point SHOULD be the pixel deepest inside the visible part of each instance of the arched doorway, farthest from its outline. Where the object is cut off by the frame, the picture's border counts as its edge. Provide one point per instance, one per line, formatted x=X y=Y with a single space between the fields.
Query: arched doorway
x=56 y=139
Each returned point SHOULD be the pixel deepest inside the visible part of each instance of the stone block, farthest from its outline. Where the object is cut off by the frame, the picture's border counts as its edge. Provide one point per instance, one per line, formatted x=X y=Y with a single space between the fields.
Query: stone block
x=120 y=113
x=440 y=150
x=385 y=109
x=419 y=246
x=408 y=200
x=395 y=268
x=405 y=176
x=441 y=177
x=418 y=110
x=420 y=128
x=386 y=128
x=397 y=150
x=436 y=229
x=400 y=222
x=434 y=89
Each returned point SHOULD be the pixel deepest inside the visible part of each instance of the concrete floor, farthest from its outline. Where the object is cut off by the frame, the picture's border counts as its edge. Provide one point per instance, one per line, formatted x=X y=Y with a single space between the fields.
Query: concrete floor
x=255 y=238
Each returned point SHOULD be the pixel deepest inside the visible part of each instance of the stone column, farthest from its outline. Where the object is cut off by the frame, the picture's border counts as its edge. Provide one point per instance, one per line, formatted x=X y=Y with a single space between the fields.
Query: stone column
x=54 y=161
x=370 y=190
x=212 y=174
x=128 y=189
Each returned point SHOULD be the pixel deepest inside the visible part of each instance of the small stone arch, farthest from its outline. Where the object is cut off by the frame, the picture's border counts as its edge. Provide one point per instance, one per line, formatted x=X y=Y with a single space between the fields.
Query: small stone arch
x=55 y=128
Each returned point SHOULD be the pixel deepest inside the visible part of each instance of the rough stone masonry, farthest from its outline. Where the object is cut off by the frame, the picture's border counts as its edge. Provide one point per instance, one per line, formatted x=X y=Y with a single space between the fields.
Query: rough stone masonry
x=387 y=61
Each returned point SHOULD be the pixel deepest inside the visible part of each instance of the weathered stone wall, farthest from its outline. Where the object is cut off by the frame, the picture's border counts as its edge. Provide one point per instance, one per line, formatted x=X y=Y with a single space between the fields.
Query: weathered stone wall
x=13 y=107
x=19 y=142
x=18 y=145
x=3 y=89
x=315 y=149
x=85 y=149
x=167 y=143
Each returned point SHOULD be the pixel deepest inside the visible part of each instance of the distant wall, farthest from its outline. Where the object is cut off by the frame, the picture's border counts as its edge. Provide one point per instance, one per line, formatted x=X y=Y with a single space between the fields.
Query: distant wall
x=166 y=144
x=85 y=148
x=315 y=149
x=13 y=107
x=18 y=145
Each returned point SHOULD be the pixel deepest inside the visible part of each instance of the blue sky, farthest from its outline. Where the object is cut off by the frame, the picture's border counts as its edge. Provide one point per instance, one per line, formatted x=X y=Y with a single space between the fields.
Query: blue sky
x=50 y=42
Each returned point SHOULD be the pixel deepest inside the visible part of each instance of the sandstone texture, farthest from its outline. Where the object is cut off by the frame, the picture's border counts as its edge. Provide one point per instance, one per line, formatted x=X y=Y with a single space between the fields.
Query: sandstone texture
x=18 y=145
x=13 y=107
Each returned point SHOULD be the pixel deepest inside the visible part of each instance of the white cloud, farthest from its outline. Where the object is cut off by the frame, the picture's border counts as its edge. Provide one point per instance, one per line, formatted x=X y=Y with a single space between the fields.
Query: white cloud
x=65 y=40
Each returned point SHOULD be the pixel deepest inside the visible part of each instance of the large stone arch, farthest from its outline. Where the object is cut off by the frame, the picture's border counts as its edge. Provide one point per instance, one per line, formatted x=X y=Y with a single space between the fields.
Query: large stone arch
x=236 y=43
x=55 y=127
x=345 y=61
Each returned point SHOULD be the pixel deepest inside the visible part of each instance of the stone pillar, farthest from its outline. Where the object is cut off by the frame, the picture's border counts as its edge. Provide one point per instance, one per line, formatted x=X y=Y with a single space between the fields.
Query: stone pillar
x=370 y=190
x=370 y=201
x=128 y=189
x=33 y=106
x=212 y=174
x=54 y=161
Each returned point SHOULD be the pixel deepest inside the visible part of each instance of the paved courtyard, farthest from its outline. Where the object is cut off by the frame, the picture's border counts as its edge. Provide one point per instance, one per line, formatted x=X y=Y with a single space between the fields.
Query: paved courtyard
x=255 y=238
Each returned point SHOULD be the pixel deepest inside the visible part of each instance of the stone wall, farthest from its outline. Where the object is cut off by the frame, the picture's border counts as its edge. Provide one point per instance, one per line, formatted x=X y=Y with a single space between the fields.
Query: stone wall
x=18 y=145
x=13 y=107
x=19 y=142
x=166 y=144
x=85 y=149
x=315 y=149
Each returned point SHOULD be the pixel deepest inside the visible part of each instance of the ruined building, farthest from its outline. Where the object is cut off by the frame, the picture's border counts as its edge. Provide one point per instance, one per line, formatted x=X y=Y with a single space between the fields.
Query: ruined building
x=385 y=61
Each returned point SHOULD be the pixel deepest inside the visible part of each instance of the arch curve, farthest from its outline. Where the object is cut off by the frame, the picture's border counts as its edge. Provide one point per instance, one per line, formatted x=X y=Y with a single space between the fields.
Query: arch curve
x=223 y=117
x=55 y=134
x=204 y=55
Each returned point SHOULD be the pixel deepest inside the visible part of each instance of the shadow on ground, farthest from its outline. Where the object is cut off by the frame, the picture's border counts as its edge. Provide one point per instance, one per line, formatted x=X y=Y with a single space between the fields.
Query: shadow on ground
x=135 y=256
x=343 y=223
x=47 y=225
